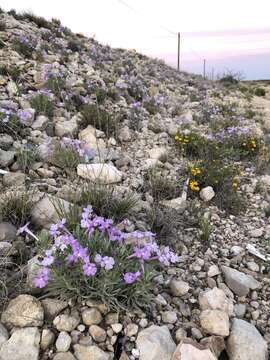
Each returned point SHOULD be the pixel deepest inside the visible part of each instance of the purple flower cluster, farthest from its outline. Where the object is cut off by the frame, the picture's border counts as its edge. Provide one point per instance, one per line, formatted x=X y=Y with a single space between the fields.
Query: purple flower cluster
x=68 y=249
x=53 y=71
x=6 y=114
x=28 y=41
x=78 y=146
x=26 y=116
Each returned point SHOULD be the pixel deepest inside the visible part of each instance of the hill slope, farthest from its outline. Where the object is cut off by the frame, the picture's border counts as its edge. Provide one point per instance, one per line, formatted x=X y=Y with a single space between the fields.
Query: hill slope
x=185 y=158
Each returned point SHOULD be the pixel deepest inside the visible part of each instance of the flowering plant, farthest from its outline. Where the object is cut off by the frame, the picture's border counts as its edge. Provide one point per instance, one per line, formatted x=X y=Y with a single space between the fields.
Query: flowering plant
x=98 y=260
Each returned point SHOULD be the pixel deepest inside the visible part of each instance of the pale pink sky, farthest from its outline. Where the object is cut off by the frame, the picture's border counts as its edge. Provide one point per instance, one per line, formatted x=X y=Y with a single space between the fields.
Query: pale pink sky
x=210 y=28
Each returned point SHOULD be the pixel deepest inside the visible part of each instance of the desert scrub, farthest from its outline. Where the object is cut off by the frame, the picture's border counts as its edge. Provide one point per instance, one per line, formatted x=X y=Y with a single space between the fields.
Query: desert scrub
x=38 y=20
x=27 y=156
x=99 y=118
x=42 y=103
x=105 y=201
x=25 y=46
x=225 y=179
x=259 y=91
x=16 y=206
x=69 y=153
x=96 y=260
x=2 y=25
x=160 y=186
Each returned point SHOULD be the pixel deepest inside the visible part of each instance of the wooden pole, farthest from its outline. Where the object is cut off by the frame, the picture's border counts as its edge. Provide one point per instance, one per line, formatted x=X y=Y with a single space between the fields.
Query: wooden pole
x=178 y=53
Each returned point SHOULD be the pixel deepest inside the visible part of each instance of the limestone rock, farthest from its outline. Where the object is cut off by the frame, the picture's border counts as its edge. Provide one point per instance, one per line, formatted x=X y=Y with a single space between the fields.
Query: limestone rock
x=207 y=193
x=3 y=334
x=14 y=179
x=22 y=345
x=47 y=339
x=245 y=342
x=63 y=342
x=215 y=322
x=97 y=333
x=24 y=310
x=52 y=307
x=82 y=352
x=158 y=153
x=91 y=316
x=179 y=287
x=155 y=343
x=239 y=282
x=101 y=173
x=7 y=232
x=89 y=136
x=215 y=299
x=66 y=322
x=44 y=212
x=178 y=204
x=64 y=356
x=66 y=128
x=6 y=158
x=189 y=350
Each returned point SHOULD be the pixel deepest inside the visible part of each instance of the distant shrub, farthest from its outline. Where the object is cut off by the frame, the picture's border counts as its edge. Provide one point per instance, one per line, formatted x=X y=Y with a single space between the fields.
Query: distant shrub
x=42 y=104
x=259 y=91
x=38 y=20
x=74 y=45
x=93 y=259
x=13 y=71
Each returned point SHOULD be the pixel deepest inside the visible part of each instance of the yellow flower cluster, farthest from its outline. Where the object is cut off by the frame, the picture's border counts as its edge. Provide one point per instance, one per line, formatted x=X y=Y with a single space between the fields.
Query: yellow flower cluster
x=251 y=144
x=194 y=185
x=183 y=139
x=196 y=171
x=236 y=184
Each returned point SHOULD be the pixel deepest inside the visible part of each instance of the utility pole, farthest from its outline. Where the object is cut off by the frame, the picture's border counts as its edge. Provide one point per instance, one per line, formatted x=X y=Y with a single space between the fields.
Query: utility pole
x=178 y=53
x=204 y=61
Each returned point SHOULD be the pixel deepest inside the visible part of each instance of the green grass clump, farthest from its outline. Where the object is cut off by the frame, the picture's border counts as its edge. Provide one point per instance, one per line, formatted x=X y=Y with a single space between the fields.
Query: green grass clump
x=16 y=207
x=26 y=157
x=43 y=105
x=65 y=157
x=259 y=91
x=160 y=186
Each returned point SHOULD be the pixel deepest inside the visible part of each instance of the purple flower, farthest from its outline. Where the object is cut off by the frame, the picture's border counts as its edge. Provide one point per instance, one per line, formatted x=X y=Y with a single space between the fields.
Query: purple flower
x=131 y=277
x=55 y=228
x=25 y=229
x=89 y=269
x=42 y=278
x=106 y=262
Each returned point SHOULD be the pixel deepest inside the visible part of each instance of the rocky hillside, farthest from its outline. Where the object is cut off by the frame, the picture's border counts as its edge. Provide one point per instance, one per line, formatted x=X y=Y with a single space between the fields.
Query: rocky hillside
x=134 y=205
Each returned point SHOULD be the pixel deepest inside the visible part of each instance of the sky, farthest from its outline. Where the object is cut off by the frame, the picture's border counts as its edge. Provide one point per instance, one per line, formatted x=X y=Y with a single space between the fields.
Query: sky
x=229 y=34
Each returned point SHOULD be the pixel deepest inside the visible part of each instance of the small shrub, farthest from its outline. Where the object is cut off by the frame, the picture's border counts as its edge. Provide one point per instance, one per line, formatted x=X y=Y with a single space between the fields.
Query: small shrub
x=74 y=45
x=259 y=91
x=223 y=178
x=26 y=157
x=25 y=46
x=94 y=260
x=16 y=207
x=66 y=157
x=99 y=118
x=56 y=85
x=38 y=20
x=160 y=187
x=10 y=123
x=106 y=202
x=42 y=104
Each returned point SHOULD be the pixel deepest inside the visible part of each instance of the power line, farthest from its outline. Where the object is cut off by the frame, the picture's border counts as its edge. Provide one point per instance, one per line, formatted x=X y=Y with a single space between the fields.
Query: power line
x=139 y=13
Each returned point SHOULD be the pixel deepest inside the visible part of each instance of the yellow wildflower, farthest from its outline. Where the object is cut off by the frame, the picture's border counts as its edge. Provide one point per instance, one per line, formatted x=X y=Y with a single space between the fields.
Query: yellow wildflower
x=194 y=185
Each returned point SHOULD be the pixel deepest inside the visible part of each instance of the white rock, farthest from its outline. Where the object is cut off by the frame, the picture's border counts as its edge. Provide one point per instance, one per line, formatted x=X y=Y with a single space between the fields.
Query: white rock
x=3 y=334
x=215 y=322
x=63 y=342
x=213 y=271
x=83 y=352
x=91 y=316
x=178 y=204
x=158 y=153
x=155 y=343
x=65 y=322
x=22 y=345
x=44 y=211
x=66 y=128
x=24 y=310
x=207 y=193
x=101 y=173
x=245 y=342
x=47 y=339
x=91 y=138
x=192 y=351
x=179 y=287
x=239 y=282
x=215 y=299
